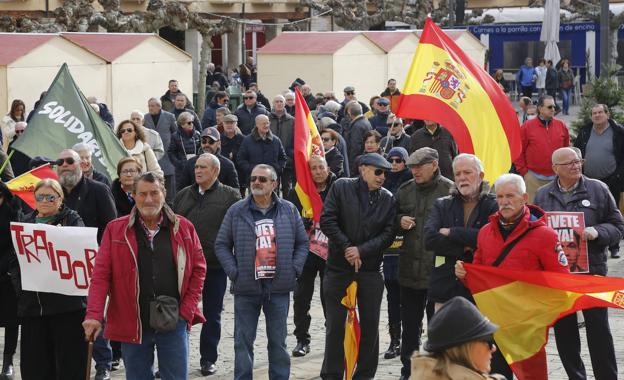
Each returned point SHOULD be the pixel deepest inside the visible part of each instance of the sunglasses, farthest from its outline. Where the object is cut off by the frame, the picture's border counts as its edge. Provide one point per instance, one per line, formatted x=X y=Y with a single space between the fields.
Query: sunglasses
x=46 y=197
x=326 y=139
x=126 y=130
x=208 y=140
x=19 y=132
x=379 y=172
x=396 y=160
x=68 y=161
x=551 y=107
x=383 y=105
x=349 y=93
x=188 y=123
x=248 y=97
x=490 y=342
x=258 y=178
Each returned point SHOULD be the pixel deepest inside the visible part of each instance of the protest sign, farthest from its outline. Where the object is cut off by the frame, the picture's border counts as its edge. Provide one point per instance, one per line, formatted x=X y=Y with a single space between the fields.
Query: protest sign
x=319 y=243
x=569 y=226
x=266 y=249
x=55 y=259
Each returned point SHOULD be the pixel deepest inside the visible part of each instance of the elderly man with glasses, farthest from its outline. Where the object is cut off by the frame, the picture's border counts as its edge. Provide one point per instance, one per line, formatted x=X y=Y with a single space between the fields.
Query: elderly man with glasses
x=540 y=138
x=248 y=111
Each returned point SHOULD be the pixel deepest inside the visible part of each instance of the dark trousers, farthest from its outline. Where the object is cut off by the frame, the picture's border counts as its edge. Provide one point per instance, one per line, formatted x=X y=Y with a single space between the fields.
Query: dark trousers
x=599 y=340
x=10 y=340
x=212 y=303
x=369 y=295
x=614 y=189
x=287 y=180
x=53 y=347
x=391 y=281
x=170 y=186
x=413 y=306
x=527 y=91
x=302 y=296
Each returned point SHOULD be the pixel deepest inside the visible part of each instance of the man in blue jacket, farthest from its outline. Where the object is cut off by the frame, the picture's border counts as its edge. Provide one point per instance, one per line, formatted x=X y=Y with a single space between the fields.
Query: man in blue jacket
x=526 y=77
x=262 y=246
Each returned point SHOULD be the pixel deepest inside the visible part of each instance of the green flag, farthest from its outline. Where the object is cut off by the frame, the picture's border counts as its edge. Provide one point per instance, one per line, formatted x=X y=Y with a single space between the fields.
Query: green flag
x=64 y=118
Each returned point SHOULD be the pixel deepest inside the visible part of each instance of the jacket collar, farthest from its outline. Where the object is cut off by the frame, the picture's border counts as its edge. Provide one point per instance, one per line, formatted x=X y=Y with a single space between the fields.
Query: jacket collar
x=580 y=192
x=256 y=135
x=167 y=213
x=485 y=190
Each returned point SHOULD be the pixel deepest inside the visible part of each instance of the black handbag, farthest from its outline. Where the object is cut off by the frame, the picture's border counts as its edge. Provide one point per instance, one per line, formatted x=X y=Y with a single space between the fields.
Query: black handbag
x=164 y=313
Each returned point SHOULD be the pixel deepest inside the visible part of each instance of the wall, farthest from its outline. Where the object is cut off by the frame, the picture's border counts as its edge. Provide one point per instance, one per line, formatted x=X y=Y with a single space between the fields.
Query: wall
x=361 y=64
x=276 y=72
x=400 y=59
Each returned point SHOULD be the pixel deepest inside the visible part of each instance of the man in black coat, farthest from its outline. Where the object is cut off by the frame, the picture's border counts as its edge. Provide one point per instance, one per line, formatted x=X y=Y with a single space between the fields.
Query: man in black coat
x=358 y=219
x=210 y=143
x=602 y=145
x=94 y=202
x=247 y=112
x=439 y=138
x=354 y=135
x=179 y=106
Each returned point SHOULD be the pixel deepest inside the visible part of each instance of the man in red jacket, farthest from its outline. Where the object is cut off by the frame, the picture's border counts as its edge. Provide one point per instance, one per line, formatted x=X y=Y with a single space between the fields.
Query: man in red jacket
x=151 y=265
x=517 y=238
x=540 y=138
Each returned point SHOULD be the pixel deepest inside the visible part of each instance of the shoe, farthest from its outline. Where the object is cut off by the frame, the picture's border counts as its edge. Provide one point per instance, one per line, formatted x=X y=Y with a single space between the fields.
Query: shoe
x=208 y=369
x=157 y=374
x=615 y=255
x=301 y=349
x=115 y=363
x=394 y=349
x=102 y=374
x=7 y=371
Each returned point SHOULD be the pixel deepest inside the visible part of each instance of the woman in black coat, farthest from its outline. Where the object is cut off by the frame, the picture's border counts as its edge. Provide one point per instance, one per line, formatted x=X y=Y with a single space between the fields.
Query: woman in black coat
x=333 y=156
x=10 y=211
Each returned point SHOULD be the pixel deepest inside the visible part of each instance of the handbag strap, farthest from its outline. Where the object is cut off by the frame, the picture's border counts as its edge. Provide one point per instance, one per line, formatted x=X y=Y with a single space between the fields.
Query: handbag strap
x=509 y=247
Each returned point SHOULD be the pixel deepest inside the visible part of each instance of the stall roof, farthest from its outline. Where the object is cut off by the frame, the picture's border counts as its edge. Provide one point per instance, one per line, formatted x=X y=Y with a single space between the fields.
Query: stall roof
x=16 y=45
x=308 y=42
x=108 y=46
x=387 y=39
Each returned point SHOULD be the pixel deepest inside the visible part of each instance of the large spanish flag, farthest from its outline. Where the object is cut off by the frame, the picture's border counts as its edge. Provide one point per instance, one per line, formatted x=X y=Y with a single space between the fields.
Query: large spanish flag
x=526 y=303
x=444 y=85
x=24 y=185
x=307 y=143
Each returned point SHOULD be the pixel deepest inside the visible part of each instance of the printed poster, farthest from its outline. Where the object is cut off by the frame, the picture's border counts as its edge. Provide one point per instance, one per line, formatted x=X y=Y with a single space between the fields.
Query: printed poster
x=569 y=227
x=319 y=243
x=266 y=249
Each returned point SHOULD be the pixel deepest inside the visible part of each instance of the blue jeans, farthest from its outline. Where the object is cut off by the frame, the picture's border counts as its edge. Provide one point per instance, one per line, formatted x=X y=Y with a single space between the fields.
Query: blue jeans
x=171 y=347
x=246 y=313
x=102 y=352
x=565 y=97
x=212 y=302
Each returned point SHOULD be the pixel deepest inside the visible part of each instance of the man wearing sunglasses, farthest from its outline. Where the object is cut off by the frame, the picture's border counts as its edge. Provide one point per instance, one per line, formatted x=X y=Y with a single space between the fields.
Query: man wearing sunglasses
x=262 y=246
x=540 y=138
x=349 y=96
x=573 y=191
x=358 y=219
x=248 y=111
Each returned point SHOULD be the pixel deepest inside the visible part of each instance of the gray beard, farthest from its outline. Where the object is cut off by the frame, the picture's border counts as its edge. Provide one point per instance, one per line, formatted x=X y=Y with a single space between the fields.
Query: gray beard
x=70 y=180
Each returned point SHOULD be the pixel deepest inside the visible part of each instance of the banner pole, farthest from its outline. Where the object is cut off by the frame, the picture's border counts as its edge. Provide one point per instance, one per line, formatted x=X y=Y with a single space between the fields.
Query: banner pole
x=6 y=162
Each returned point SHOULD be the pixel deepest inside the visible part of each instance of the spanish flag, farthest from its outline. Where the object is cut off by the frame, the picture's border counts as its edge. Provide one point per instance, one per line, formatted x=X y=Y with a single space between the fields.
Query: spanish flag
x=24 y=185
x=307 y=143
x=526 y=303
x=444 y=85
x=352 y=331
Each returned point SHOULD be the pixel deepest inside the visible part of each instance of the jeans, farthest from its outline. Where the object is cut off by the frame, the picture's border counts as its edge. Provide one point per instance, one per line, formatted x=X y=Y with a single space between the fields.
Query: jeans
x=303 y=296
x=102 y=352
x=172 y=350
x=212 y=302
x=369 y=295
x=391 y=281
x=565 y=97
x=599 y=341
x=246 y=312
x=413 y=306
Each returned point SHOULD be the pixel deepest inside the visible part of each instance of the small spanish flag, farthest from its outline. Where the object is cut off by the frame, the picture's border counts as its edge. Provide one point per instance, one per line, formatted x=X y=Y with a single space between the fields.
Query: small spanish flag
x=24 y=185
x=307 y=143
x=352 y=331
x=526 y=303
x=444 y=85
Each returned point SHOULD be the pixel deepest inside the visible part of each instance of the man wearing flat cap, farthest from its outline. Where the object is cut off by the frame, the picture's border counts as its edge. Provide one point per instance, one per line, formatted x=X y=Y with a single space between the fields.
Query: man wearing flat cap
x=415 y=199
x=358 y=218
x=397 y=137
x=378 y=122
x=349 y=96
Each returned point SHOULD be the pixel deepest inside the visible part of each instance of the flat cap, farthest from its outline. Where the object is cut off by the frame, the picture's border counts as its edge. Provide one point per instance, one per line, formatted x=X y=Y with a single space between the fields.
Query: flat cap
x=211 y=132
x=349 y=89
x=422 y=156
x=230 y=117
x=383 y=102
x=376 y=160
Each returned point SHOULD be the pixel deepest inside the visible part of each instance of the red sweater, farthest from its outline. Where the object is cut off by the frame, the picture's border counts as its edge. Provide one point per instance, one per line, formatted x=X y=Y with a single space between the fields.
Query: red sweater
x=538 y=144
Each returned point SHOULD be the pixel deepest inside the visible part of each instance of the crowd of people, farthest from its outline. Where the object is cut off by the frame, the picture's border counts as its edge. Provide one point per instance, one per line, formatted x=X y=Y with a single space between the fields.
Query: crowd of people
x=198 y=201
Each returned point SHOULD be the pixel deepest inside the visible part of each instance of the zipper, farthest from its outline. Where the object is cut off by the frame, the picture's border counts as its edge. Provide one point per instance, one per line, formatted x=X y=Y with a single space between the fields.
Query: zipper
x=137 y=286
x=40 y=305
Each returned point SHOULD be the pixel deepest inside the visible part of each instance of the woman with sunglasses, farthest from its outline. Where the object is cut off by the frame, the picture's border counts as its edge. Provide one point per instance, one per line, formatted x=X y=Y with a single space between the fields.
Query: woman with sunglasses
x=333 y=156
x=52 y=343
x=16 y=114
x=185 y=144
x=128 y=168
x=132 y=137
x=460 y=345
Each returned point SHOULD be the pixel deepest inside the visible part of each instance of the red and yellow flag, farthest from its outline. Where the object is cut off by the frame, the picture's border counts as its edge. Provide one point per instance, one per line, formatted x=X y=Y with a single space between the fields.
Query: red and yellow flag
x=24 y=185
x=526 y=303
x=307 y=143
x=444 y=85
x=352 y=331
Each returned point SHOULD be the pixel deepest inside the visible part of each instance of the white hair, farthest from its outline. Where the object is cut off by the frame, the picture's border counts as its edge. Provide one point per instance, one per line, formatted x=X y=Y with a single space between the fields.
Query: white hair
x=138 y=113
x=513 y=179
x=332 y=106
x=466 y=156
x=80 y=147
x=279 y=97
x=154 y=100
x=214 y=161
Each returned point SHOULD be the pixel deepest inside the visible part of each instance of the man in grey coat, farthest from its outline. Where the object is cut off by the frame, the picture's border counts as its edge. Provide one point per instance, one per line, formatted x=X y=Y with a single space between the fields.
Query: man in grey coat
x=282 y=125
x=164 y=123
x=262 y=246
x=604 y=226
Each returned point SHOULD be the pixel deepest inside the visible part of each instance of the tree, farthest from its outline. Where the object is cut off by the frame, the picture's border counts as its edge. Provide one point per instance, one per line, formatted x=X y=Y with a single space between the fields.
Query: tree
x=601 y=90
x=81 y=16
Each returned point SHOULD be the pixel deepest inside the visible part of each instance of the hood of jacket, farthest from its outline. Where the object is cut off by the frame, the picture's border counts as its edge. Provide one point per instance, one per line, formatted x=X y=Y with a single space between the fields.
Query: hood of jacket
x=256 y=135
x=485 y=190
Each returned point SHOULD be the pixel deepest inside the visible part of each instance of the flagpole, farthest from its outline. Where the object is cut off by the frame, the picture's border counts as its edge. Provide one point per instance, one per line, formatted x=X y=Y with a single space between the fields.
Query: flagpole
x=6 y=162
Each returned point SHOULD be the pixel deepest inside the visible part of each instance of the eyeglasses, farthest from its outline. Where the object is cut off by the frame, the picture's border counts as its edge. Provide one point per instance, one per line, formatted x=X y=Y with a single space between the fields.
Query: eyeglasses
x=491 y=344
x=126 y=130
x=572 y=163
x=349 y=93
x=396 y=160
x=383 y=105
x=129 y=172
x=551 y=107
x=208 y=140
x=189 y=123
x=248 y=97
x=19 y=131
x=68 y=161
x=46 y=197
x=326 y=139
x=258 y=178
x=379 y=172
